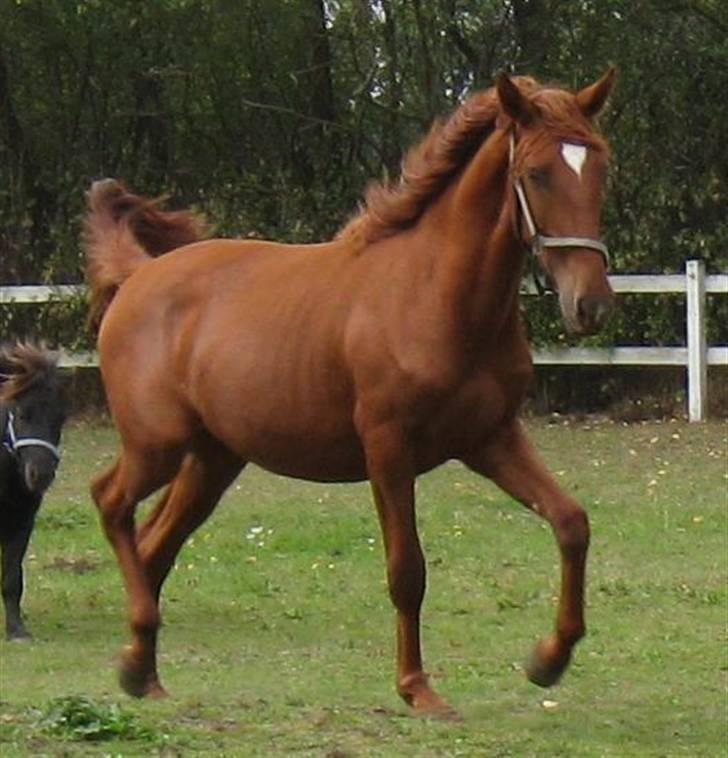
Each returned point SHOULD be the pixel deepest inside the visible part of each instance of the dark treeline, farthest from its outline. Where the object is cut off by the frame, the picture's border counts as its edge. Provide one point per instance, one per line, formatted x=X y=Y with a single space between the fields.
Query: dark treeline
x=272 y=115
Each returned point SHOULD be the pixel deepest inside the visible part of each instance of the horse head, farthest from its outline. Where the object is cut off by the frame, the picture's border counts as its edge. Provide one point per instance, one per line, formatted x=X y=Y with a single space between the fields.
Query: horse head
x=559 y=170
x=32 y=403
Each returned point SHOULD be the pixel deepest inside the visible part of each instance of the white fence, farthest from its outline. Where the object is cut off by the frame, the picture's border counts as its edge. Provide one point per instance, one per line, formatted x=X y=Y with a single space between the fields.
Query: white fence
x=696 y=356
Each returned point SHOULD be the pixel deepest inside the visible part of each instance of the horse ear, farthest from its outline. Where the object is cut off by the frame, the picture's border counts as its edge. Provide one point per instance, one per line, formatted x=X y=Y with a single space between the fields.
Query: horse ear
x=514 y=102
x=592 y=99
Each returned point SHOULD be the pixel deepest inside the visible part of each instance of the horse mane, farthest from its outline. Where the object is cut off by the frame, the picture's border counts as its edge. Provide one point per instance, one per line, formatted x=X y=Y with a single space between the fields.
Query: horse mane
x=122 y=231
x=428 y=167
x=23 y=365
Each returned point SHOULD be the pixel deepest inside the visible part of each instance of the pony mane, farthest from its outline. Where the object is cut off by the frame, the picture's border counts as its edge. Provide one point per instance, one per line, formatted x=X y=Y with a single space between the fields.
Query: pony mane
x=23 y=365
x=428 y=167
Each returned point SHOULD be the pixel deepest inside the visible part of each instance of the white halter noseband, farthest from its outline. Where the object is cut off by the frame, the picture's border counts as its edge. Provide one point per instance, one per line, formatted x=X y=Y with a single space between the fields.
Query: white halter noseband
x=13 y=443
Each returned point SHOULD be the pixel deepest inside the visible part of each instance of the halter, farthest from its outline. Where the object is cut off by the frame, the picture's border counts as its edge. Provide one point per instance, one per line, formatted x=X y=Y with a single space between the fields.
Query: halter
x=537 y=242
x=13 y=443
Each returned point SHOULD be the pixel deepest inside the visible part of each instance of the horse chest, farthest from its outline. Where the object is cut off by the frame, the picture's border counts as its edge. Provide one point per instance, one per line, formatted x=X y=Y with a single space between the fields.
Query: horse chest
x=469 y=413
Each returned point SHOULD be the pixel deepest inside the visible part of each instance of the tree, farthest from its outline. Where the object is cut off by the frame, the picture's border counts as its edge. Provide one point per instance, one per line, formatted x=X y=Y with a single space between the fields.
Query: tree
x=272 y=115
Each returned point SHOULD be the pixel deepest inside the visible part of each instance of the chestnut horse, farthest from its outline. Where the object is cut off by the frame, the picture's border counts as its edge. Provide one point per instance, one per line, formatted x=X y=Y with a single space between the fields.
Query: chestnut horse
x=378 y=355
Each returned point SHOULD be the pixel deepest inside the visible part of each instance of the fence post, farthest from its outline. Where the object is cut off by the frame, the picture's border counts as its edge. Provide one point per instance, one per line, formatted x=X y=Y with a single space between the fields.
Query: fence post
x=697 y=351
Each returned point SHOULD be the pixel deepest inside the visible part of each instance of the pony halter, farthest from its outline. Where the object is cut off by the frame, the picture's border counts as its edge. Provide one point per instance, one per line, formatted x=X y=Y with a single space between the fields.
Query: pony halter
x=13 y=443
x=537 y=242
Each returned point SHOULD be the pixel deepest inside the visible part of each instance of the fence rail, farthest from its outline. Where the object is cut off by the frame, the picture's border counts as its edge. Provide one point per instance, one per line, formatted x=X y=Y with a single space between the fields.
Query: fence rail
x=696 y=356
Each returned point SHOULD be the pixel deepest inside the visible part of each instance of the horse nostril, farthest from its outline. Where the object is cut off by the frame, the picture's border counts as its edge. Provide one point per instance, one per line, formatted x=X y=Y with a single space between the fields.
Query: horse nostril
x=593 y=312
x=38 y=479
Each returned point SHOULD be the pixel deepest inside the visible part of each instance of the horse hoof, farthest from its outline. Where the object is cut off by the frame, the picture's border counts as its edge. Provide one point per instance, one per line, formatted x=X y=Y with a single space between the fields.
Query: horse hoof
x=546 y=664
x=137 y=681
x=20 y=638
x=424 y=701
x=140 y=685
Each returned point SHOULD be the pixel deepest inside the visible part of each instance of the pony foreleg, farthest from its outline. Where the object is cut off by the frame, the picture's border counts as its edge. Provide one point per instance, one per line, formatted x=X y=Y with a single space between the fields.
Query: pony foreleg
x=511 y=462
x=13 y=552
x=393 y=489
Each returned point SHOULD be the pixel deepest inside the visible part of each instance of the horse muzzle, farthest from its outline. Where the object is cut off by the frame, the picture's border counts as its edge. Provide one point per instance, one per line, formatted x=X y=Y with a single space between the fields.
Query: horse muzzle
x=38 y=473
x=588 y=313
x=593 y=312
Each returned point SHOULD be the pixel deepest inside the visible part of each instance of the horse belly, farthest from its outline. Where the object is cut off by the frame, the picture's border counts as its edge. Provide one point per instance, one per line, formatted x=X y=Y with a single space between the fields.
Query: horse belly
x=305 y=453
x=292 y=418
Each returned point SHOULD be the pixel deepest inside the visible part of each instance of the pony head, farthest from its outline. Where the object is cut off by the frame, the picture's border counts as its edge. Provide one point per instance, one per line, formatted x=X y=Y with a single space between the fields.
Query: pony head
x=32 y=402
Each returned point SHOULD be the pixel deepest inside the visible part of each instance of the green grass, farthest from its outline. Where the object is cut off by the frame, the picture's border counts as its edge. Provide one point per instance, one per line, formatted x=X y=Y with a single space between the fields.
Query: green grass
x=278 y=636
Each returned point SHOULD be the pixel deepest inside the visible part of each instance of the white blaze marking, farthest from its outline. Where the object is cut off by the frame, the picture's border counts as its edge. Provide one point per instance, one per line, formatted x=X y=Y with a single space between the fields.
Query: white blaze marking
x=574 y=156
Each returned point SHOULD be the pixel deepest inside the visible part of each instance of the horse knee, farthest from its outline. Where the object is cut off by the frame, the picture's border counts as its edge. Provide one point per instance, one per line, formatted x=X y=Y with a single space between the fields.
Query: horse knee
x=572 y=530
x=100 y=485
x=12 y=579
x=116 y=512
x=571 y=632
x=116 y=519
x=406 y=575
x=145 y=619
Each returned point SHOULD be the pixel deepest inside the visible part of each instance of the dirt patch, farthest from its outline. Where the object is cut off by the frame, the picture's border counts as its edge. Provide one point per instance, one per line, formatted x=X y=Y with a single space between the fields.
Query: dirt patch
x=74 y=565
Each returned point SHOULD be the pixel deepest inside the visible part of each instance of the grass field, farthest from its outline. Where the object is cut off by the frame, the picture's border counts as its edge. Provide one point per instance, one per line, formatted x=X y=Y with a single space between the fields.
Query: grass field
x=278 y=635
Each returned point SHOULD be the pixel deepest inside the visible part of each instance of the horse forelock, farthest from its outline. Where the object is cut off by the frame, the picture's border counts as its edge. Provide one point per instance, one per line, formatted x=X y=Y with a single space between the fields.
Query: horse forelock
x=23 y=366
x=560 y=120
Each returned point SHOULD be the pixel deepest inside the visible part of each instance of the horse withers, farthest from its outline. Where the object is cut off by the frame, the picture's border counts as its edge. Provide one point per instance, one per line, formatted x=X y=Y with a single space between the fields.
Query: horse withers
x=379 y=355
x=32 y=412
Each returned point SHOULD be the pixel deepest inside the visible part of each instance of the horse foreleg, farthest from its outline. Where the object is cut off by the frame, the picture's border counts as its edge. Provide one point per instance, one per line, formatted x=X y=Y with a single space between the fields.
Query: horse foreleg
x=116 y=494
x=392 y=480
x=512 y=463
x=13 y=551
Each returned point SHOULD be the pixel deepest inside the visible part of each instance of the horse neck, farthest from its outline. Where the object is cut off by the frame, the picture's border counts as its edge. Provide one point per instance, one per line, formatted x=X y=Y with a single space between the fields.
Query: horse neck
x=479 y=269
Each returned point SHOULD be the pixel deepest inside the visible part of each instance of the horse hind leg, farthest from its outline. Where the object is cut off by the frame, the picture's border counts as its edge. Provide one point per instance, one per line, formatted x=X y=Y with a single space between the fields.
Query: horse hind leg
x=116 y=494
x=206 y=472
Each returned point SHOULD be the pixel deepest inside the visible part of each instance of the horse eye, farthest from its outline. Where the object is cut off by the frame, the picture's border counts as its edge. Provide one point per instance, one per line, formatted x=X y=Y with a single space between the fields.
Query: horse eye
x=25 y=415
x=539 y=177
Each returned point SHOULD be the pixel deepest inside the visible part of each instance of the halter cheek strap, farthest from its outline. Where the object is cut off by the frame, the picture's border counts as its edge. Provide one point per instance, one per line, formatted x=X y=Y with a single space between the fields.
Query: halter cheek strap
x=538 y=242
x=13 y=443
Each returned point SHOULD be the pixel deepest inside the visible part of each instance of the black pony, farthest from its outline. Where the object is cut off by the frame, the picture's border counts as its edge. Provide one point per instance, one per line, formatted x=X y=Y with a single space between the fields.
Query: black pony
x=32 y=412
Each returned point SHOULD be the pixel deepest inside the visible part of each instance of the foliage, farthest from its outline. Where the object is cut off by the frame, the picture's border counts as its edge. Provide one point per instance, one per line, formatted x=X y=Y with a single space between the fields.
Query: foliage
x=60 y=321
x=271 y=115
x=76 y=717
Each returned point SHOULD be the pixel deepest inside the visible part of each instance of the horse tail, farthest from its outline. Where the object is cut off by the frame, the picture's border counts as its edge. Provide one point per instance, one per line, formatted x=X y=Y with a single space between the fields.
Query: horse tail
x=122 y=232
